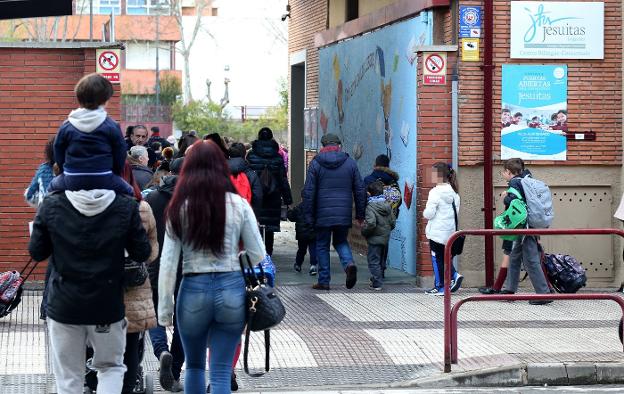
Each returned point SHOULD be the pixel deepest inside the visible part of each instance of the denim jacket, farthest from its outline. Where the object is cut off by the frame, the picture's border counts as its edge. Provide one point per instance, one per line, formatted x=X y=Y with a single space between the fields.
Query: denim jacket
x=240 y=225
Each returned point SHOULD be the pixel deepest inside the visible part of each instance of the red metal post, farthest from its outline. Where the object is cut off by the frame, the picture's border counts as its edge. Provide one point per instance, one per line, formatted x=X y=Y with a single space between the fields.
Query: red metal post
x=449 y=339
x=521 y=297
x=488 y=185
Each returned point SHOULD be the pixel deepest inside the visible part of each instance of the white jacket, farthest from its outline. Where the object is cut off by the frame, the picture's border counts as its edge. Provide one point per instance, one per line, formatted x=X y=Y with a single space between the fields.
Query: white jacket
x=439 y=213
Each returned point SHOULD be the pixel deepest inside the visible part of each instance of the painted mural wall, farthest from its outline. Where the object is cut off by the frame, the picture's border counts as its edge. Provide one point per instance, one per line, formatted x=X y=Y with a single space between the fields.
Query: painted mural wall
x=367 y=91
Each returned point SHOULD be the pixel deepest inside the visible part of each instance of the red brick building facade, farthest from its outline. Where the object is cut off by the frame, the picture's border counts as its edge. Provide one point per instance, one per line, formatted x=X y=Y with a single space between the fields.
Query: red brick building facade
x=36 y=95
x=586 y=187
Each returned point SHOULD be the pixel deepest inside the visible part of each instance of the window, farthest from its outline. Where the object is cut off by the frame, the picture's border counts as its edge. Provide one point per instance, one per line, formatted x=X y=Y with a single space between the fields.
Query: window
x=352 y=10
x=147 y=7
x=142 y=56
x=105 y=7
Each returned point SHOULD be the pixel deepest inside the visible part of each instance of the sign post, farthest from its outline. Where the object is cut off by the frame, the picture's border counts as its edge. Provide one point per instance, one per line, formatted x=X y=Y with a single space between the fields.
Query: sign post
x=108 y=64
x=434 y=68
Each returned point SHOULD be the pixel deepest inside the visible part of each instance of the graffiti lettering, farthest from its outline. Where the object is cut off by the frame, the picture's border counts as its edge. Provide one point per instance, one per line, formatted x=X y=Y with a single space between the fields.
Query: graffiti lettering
x=369 y=63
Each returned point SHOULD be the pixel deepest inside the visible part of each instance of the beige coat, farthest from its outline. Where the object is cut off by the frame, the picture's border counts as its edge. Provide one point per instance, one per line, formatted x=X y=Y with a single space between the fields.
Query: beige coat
x=138 y=300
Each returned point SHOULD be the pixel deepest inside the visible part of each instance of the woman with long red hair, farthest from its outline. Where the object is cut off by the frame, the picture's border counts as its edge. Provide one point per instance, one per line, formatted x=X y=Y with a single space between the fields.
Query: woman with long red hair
x=206 y=220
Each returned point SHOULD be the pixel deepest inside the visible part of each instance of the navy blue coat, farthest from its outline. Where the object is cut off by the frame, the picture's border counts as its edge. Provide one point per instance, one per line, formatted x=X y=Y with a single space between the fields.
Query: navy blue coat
x=100 y=150
x=332 y=183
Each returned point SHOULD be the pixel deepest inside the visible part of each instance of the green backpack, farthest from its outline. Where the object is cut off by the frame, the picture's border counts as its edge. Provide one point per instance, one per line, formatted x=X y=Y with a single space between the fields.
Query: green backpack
x=514 y=217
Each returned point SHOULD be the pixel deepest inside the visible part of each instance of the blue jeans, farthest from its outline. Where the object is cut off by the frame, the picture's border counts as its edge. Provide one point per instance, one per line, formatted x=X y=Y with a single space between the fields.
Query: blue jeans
x=337 y=234
x=211 y=314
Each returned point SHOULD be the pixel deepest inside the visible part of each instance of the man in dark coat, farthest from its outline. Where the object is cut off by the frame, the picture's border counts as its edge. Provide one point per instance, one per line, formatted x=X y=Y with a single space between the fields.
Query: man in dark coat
x=171 y=358
x=332 y=184
x=84 y=234
x=265 y=160
x=237 y=165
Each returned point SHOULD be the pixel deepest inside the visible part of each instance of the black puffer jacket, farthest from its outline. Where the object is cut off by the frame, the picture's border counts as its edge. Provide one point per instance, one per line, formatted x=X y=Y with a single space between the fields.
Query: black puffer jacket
x=238 y=165
x=158 y=201
x=86 y=282
x=264 y=154
x=303 y=231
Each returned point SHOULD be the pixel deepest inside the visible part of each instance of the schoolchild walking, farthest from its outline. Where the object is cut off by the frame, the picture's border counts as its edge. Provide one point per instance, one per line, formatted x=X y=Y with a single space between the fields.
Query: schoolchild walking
x=442 y=206
x=525 y=250
x=379 y=221
x=306 y=239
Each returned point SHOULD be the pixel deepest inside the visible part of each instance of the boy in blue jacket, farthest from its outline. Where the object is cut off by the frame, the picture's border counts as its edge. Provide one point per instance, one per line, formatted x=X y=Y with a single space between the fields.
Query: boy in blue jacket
x=89 y=148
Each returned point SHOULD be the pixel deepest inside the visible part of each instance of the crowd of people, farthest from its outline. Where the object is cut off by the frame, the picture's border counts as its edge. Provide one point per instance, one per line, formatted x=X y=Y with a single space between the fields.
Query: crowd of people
x=144 y=232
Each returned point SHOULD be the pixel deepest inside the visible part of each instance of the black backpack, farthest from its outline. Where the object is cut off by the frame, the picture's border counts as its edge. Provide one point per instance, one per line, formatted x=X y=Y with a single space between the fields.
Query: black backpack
x=565 y=273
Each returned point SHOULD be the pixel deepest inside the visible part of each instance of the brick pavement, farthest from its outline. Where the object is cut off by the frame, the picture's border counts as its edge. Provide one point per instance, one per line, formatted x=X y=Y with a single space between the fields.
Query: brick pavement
x=348 y=338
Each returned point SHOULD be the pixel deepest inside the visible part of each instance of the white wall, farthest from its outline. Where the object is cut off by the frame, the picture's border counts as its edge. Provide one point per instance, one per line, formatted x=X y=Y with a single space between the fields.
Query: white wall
x=245 y=36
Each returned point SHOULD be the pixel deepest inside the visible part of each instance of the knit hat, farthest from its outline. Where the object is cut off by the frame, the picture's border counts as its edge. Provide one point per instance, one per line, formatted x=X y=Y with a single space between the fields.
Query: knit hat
x=265 y=134
x=330 y=139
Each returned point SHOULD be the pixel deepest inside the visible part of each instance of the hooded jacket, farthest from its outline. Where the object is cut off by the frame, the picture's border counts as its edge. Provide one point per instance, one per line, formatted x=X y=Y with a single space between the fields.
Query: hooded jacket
x=86 y=233
x=387 y=176
x=89 y=142
x=332 y=184
x=238 y=165
x=379 y=221
x=265 y=154
x=439 y=213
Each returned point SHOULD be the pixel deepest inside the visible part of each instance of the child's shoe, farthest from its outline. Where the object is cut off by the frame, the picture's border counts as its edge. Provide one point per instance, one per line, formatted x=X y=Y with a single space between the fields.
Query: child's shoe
x=456 y=282
x=297 y=267
x=375 y=288
x=313 y=270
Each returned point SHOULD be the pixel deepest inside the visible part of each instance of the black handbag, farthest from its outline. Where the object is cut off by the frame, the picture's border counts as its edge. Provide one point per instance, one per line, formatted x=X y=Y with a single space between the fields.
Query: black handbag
x=264 y=309
x=458 y=246
x=135 y=273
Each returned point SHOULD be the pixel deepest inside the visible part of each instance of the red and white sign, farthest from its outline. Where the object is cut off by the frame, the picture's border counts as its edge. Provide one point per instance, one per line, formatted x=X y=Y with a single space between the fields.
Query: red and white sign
x=108 y=64
x=434 y=68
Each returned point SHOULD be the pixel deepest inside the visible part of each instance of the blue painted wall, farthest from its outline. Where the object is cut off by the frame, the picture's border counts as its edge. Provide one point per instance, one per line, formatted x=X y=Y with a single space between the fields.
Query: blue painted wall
x=367 y=91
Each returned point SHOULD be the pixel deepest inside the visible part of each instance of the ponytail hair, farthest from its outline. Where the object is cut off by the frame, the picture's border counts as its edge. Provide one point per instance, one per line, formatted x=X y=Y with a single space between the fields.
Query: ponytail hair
x=448 y=174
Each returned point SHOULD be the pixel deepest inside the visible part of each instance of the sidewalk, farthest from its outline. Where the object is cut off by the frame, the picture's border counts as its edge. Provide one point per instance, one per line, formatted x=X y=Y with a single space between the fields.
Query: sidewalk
x=342 y=339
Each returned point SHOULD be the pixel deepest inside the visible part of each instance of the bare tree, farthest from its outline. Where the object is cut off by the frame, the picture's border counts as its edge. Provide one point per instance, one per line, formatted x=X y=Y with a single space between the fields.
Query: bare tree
x=186 y=43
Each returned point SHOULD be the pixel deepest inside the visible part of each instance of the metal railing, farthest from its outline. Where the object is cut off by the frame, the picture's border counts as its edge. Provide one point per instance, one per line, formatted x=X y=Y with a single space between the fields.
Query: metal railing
x=451 y=312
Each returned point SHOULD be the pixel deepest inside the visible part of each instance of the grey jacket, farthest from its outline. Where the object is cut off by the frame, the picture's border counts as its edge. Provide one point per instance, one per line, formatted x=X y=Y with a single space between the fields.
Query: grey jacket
x=379 y=221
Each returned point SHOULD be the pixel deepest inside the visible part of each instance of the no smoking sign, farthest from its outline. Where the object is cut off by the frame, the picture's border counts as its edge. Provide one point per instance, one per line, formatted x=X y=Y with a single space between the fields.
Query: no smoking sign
x=108 y=64
x=434 y=68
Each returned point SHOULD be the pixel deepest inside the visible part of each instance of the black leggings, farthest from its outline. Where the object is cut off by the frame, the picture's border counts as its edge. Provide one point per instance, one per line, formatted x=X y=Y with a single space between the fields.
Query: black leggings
x=132 y=359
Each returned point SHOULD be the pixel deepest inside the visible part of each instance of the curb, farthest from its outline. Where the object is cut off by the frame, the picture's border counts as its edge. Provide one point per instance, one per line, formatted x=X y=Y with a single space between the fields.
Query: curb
x=529 y=374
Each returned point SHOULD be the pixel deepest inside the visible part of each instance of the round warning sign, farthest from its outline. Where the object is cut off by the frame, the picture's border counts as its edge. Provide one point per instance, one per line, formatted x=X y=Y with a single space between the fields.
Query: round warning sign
x=108 y=60
x=434 y=63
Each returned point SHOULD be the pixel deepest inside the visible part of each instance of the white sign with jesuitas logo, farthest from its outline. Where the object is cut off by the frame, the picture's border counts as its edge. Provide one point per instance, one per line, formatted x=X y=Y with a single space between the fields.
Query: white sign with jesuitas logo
x=557 y=30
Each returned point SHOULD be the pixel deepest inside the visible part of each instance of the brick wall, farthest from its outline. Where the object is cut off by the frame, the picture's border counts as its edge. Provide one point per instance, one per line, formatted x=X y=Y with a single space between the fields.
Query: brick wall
x=594 y=94
x=36 y=95
x=434 y=145
x=307 y=18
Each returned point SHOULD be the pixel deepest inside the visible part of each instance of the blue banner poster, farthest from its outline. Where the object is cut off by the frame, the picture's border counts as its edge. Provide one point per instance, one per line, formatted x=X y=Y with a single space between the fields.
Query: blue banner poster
x=534 y=115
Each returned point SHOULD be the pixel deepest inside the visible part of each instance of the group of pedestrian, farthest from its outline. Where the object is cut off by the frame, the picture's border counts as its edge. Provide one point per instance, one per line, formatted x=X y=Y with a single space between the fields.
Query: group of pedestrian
x=101 y=224
x=183 y=210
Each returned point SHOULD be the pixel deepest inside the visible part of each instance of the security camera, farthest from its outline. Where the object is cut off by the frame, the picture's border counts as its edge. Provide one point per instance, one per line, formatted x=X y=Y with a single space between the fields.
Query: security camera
x=287 y=14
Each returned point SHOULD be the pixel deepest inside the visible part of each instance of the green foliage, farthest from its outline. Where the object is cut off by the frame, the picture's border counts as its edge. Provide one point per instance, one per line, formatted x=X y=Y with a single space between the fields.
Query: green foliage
x=208 y=117
x=170 y=89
